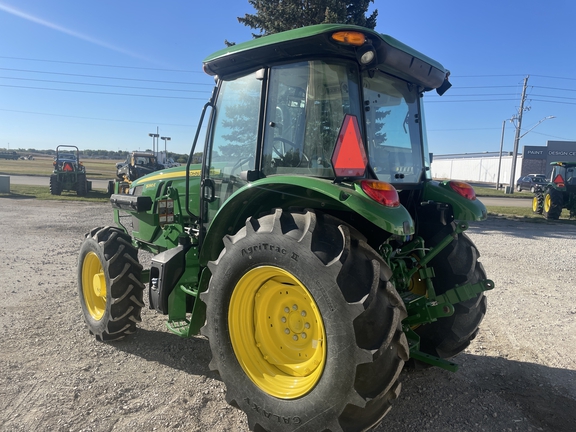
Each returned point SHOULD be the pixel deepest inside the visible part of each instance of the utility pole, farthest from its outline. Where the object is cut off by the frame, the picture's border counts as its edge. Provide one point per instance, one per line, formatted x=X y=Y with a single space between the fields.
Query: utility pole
x=500 y=157
x=517 y=137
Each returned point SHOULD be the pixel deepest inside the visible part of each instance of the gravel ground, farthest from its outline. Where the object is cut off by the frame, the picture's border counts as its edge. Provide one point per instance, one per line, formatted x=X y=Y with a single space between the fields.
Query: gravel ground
x=519 y=373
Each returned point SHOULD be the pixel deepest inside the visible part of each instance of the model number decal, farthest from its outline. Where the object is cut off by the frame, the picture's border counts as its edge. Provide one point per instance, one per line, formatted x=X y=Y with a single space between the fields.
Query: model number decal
x=268 y=247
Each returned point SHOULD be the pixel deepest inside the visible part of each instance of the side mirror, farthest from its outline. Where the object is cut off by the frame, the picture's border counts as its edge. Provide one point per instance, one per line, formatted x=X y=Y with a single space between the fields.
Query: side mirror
x=445 y=85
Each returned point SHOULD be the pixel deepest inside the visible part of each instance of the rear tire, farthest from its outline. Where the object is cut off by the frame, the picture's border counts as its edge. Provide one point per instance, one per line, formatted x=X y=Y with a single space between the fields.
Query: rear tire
x=82 y=186
x=334 y=366
x=55 y=185
x=457 y=264
x=553 y=202
x=109 y=285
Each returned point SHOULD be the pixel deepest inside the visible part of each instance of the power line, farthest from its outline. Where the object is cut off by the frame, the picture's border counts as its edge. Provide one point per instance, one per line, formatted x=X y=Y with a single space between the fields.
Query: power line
x=438 y=100
x=481 y=87
x=107 y=85
x=557 y=97
x=558 y=102
x=103 y=77
x=486 y=76
x=479 y=94
x=101 y=65
x=555 y=77
x=102 y=93
x=95 y=118
x=554 y=88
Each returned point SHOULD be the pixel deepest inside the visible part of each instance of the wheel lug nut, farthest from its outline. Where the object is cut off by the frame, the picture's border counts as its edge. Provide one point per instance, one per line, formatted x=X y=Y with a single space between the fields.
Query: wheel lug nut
x=307 y=325
x=303 y=313
x=295 y=337
x=287 y=331
x=295 y=307
x=283 y=319
x=286 y=309
x=303 y=335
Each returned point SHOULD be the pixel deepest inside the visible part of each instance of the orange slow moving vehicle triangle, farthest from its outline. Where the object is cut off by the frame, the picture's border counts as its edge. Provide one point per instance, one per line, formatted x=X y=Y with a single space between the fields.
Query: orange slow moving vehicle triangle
x=349 y=158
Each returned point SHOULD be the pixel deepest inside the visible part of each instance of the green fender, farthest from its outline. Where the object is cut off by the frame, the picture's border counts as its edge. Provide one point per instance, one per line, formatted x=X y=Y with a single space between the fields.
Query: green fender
x=463 y=208
x=260 y=196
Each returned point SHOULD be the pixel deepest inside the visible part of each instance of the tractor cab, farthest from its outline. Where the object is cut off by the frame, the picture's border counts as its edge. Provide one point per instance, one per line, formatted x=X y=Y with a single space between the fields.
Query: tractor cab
x=289 y=116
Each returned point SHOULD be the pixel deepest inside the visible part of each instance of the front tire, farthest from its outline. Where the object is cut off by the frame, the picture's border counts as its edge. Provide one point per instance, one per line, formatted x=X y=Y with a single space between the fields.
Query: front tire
x=538 y=203
x=109 y=285
x=304 y=325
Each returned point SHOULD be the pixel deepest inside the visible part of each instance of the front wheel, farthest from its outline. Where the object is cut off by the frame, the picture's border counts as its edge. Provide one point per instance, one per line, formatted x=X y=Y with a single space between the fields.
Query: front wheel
x=538 y=203
x=109 y=285
x=304 y=325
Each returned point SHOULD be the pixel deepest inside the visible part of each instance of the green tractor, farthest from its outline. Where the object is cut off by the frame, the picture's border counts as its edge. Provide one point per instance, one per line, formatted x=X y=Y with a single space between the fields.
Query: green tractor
x=311 y=245
x=69 y=173
x=560 y=193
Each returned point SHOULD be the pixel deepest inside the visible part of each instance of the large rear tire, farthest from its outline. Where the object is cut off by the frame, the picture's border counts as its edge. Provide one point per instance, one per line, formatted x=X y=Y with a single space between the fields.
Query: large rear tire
x=552 y=204
x=457 y=264
x=82 y=186
x=109 y=285
x=55 y=185
x=304 y=325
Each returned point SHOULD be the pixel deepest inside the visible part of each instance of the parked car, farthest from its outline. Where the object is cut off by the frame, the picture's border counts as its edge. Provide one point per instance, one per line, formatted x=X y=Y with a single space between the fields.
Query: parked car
x=530 y=182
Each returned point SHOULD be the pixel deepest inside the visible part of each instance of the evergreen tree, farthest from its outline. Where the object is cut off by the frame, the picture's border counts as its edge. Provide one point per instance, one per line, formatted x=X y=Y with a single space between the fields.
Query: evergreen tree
x=274 y=16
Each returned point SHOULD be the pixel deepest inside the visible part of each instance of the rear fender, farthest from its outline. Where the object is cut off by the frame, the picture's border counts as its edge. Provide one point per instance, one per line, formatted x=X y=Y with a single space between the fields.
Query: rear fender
x=463 y=208
x=261 y=196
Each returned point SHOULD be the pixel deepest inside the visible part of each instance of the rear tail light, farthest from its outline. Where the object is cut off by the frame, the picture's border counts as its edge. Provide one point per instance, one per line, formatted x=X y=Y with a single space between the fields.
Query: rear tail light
x=463 y=189
x=381 y=192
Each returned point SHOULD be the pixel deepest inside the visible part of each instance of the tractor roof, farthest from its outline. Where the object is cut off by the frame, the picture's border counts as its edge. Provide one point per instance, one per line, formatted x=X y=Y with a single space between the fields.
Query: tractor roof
x=564 y=164
x=316 y=42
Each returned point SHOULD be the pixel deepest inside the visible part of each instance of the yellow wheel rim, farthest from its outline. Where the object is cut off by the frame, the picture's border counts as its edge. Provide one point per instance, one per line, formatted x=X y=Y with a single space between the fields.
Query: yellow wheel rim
x=94 y=286
x=535 y=204
x=277 y=332
x=547 y=203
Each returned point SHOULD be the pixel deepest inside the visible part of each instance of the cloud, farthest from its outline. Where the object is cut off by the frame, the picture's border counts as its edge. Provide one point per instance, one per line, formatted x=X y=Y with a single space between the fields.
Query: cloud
x=13 y=11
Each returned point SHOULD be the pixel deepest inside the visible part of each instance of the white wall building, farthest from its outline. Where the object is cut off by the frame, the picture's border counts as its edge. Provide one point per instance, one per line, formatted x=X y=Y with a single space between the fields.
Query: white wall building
x=476 y=167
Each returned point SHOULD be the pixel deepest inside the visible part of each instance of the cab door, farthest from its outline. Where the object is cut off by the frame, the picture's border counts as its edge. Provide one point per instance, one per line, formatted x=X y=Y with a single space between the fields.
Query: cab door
x=232 y=141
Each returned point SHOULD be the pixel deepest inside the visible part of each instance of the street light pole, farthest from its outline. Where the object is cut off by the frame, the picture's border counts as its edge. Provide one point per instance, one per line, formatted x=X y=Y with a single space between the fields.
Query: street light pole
x=154 y=138
x=165 y=139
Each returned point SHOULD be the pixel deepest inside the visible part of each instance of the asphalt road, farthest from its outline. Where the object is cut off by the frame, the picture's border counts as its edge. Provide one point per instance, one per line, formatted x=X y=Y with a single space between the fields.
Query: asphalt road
x=506 y=202
x=45 y=181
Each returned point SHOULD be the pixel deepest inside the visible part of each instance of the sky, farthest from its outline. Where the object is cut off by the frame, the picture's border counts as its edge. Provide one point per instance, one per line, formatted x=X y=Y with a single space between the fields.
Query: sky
x=104 y=74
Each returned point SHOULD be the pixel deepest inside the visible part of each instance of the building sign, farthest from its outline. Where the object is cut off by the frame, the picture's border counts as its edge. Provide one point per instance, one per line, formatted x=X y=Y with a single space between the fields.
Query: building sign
x=535 y=152
x=561 y=151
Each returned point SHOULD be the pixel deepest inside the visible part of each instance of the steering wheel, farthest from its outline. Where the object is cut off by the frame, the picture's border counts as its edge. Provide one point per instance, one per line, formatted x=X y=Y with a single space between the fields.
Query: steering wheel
x=282 y=155
x=241 y=162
